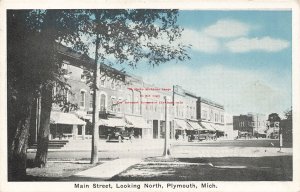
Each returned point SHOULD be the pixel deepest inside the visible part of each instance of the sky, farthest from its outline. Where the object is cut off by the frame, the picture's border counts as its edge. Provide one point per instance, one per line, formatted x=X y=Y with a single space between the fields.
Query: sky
x=240 y=59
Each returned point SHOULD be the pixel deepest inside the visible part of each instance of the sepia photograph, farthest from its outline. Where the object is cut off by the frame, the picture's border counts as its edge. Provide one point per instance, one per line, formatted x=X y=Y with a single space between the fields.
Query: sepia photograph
x=148 y=99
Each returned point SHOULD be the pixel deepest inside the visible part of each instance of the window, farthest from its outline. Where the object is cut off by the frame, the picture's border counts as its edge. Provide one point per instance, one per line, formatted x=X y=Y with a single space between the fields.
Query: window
x=204 y=114
x=102 y=102
x=83 y=78
x=66 y=68
x=102 y=82
x=54 y=90
x=112 y=85
x=211 y=116
x=82 y=98
x=119 y=104
x=66 y=95
x=113 y=104
x=91 y=100
x=129 y=105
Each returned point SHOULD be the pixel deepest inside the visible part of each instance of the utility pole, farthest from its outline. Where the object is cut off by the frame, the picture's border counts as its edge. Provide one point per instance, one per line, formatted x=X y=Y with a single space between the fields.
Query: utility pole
x=280 y=138
x=95 y=133
x=166 y=146
x=257 y=125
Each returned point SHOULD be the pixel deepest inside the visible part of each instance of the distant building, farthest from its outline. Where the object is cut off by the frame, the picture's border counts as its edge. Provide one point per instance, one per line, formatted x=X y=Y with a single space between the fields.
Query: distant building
x=211 y=115
x=228 y=131
x=253 y=124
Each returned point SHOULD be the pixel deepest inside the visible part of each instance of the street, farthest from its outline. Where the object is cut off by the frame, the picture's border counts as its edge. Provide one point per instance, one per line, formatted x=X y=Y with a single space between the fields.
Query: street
x=151 y=148
x=222 y=160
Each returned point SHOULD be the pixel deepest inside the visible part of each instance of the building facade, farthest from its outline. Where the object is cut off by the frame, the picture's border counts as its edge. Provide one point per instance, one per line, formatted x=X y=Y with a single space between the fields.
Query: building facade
x=252 y=124
x=126 y=103
x=211 y=115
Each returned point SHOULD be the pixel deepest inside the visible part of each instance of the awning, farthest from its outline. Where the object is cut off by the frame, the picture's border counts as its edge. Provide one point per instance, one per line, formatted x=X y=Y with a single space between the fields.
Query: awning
x=136 y=122
x=112 y=122
x=65 y=118
x=180 y=124
x=208 y=126
x=195 y=125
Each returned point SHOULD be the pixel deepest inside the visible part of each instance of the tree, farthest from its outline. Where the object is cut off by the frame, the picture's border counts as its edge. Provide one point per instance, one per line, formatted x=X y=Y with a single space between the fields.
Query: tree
x=274 y=117
x=288 y=114
x=22 y=88
x=56 y=26
x=131 y=37
x=33 y=68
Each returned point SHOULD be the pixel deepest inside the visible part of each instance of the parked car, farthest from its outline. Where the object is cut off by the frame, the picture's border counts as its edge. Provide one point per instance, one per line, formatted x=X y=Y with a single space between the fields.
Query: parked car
x=119 y=134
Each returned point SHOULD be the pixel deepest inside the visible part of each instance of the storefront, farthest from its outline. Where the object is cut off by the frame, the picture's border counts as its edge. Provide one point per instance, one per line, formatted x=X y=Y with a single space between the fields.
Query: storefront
x=180 y=126
x=140 y=127
x=208 y=131
x=108 y=126
x=66 y=126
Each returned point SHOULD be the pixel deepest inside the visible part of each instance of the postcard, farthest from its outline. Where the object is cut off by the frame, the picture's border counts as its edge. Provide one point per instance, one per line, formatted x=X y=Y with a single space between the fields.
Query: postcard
x=150 y=96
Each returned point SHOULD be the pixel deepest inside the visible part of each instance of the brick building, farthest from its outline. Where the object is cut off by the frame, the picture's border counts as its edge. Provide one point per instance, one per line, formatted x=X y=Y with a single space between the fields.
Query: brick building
x=125 y=102
x=211 y=116
x=254 y=125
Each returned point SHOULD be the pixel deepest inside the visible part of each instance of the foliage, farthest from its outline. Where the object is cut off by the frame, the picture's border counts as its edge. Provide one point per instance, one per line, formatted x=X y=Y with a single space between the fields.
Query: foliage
x=288 y=114
x=274 y=117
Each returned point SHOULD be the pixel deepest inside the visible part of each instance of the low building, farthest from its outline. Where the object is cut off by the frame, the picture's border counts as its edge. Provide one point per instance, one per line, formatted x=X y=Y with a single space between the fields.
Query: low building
x=229 y=133
x=250 y=125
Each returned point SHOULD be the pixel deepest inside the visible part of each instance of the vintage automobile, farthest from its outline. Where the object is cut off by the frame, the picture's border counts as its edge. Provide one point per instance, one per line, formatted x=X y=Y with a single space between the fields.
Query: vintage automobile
x=119 y=134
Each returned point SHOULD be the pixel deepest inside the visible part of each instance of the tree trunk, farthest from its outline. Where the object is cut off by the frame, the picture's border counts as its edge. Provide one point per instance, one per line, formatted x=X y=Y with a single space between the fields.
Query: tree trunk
x=43 y=135
x=19 y=114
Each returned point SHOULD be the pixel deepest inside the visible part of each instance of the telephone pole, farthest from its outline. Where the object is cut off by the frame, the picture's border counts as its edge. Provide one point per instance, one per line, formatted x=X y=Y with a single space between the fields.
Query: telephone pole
x=166 y=146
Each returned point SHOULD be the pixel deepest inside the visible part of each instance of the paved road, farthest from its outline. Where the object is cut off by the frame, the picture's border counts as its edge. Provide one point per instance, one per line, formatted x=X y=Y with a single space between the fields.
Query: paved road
x=141 y=149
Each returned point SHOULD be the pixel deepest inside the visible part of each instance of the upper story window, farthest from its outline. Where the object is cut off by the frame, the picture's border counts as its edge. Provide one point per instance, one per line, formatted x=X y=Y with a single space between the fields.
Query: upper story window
x=119 y=104
x=204 y=114
x=66 y=95
x=66 y=68
x=211 y=116
x=113 y=104
x=102 y=82
x=82 y=99
x=112 y=85
x=91 y=100
x=83 y=78
x=102 y=102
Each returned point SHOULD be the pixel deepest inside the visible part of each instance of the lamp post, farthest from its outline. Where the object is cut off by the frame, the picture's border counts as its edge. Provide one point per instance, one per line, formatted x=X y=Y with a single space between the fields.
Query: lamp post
x=166 y=146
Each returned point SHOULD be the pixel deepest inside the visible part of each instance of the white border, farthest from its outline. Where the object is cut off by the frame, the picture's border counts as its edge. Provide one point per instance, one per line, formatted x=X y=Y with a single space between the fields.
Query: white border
x=182 y=4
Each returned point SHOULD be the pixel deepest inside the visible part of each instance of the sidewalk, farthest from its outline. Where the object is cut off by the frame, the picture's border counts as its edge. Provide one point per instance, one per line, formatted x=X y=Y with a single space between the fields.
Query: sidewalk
x=85 y=145
x=106 y=170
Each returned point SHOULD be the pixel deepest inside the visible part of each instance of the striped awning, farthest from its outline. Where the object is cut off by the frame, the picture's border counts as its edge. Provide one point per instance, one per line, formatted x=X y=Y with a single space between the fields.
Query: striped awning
x=208 y=126
x=195 y=125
